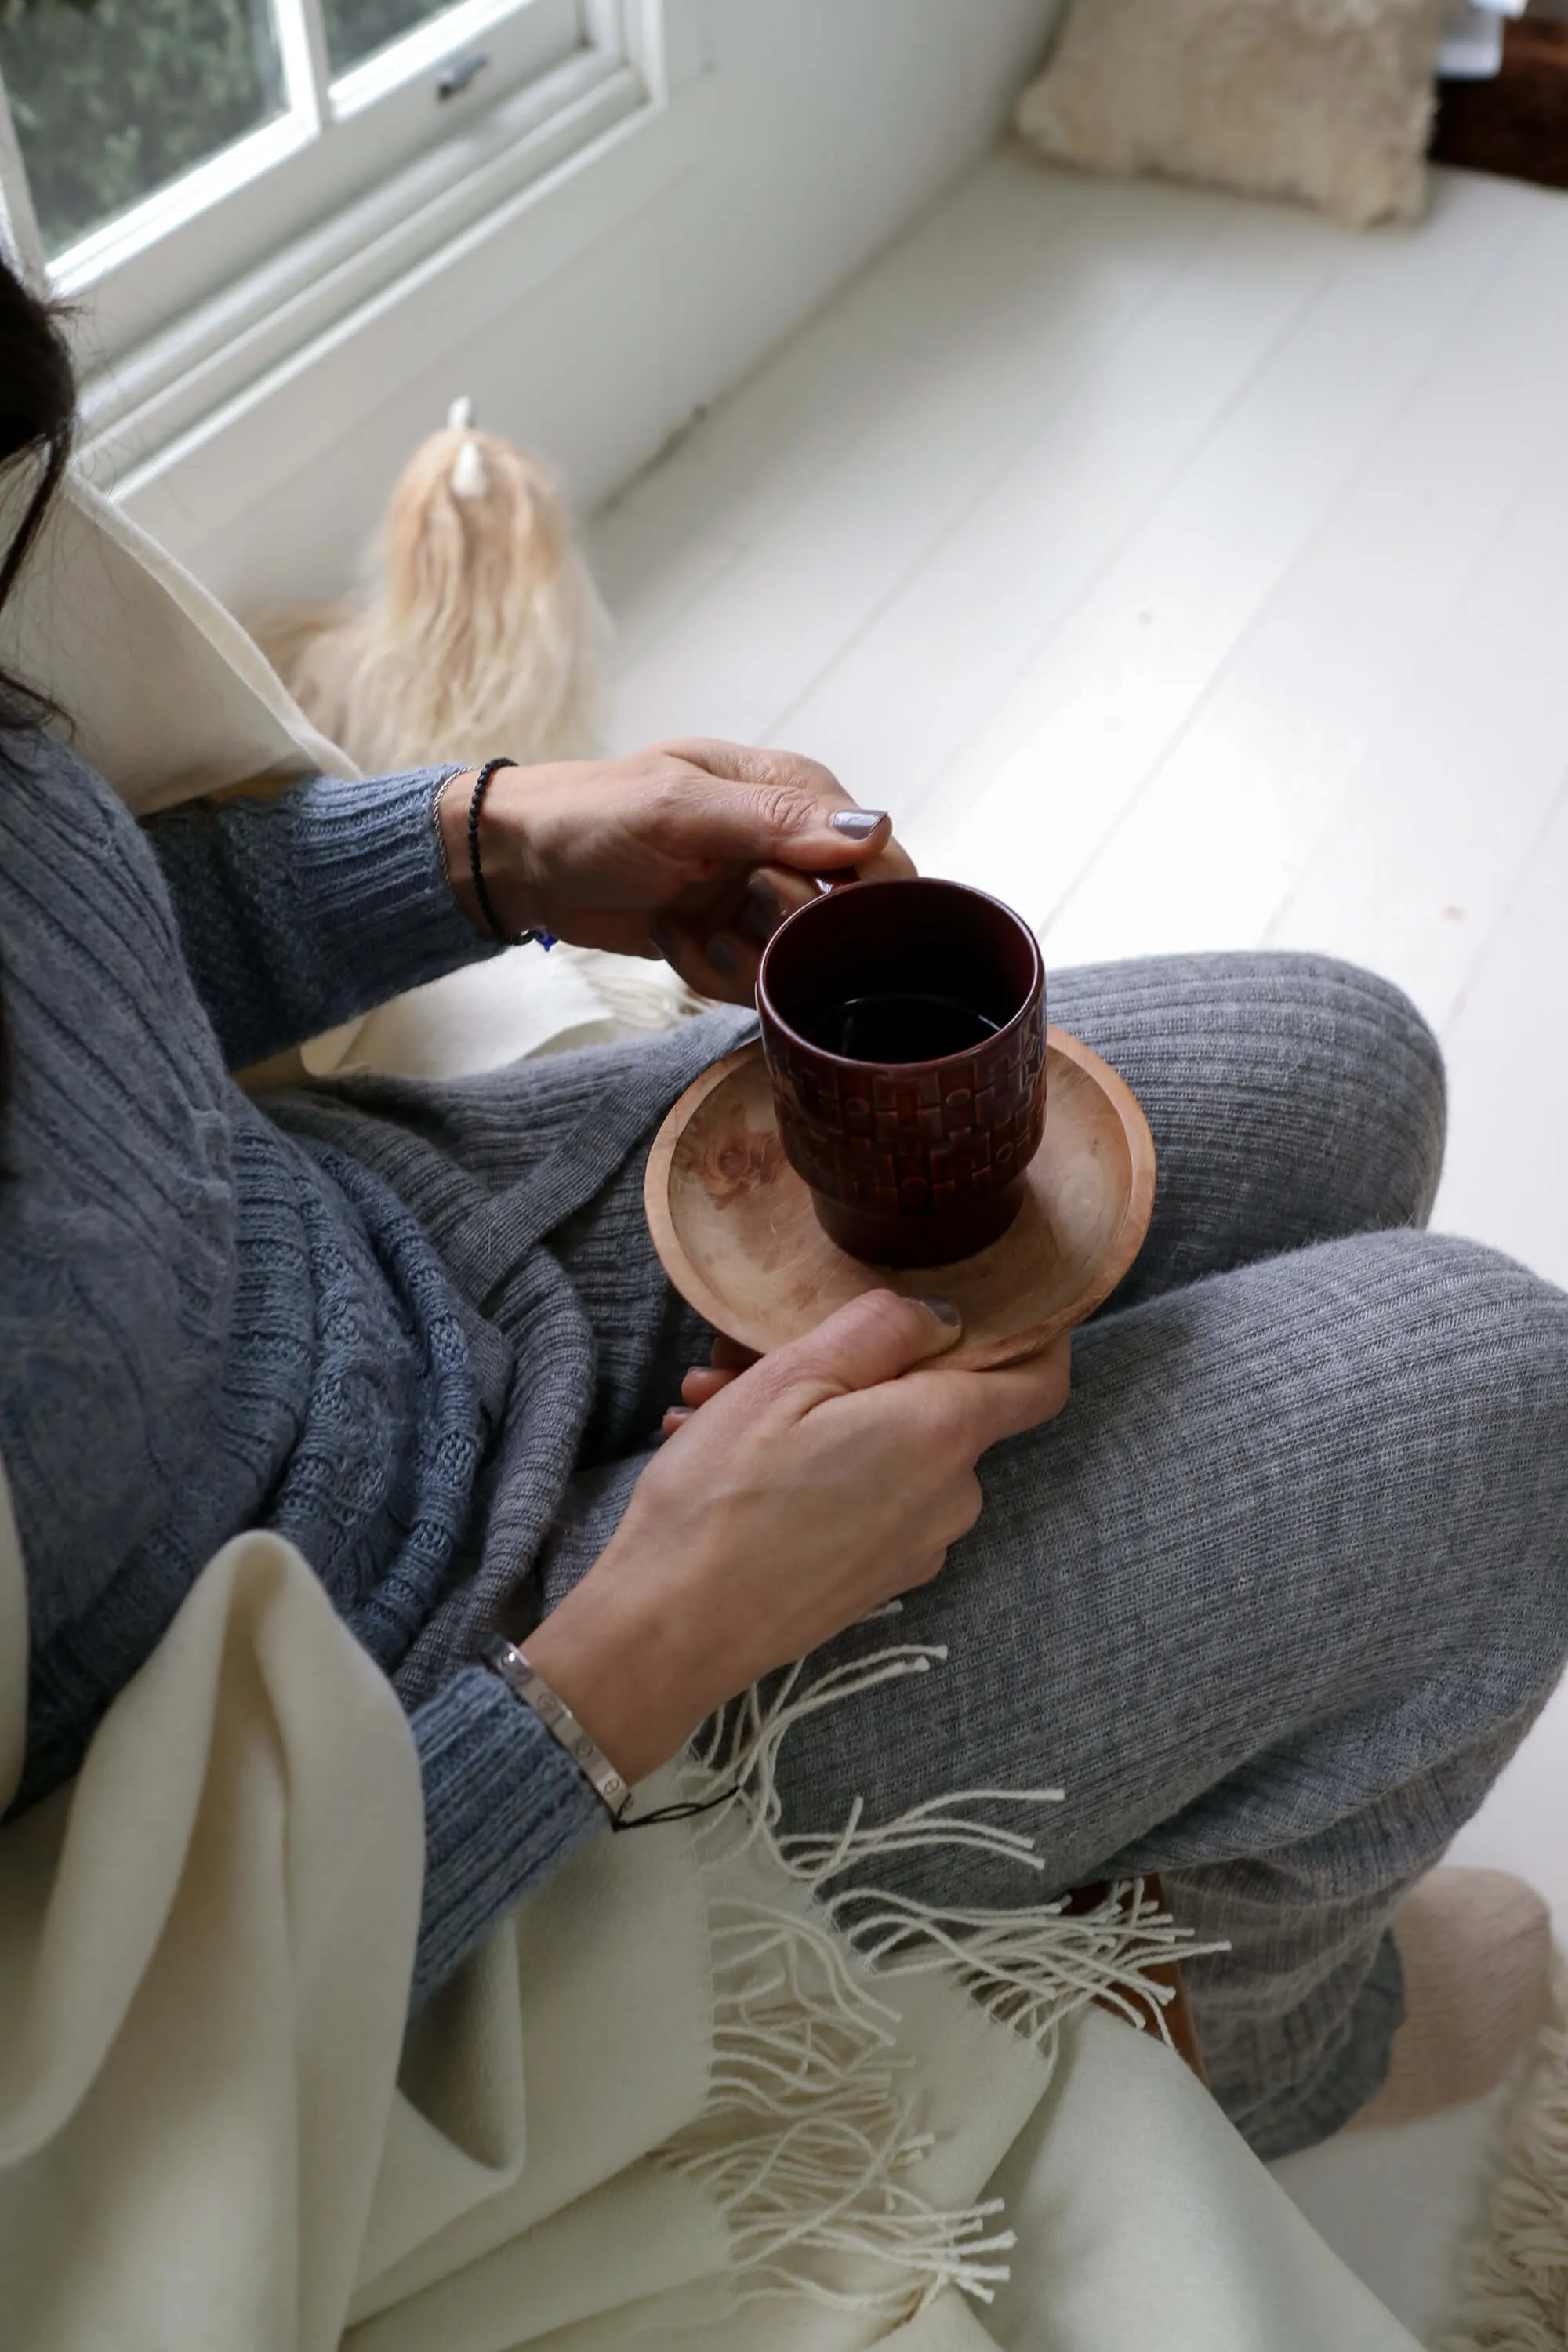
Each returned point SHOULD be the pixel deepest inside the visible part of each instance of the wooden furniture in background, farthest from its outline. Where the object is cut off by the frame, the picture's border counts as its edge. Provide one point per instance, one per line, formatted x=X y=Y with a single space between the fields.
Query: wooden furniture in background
x=1178 y=2015
x=1517 y=123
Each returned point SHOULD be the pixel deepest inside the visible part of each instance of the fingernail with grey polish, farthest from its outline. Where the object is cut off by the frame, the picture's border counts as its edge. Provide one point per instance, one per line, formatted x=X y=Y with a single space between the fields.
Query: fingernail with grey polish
x=722 y=956
x=857 y=825
x=945 y=1310
x=761 y=914
x=663 y=940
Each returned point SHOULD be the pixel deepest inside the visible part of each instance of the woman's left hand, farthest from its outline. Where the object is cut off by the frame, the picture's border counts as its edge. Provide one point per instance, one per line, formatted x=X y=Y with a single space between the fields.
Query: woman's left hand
x=695 y=851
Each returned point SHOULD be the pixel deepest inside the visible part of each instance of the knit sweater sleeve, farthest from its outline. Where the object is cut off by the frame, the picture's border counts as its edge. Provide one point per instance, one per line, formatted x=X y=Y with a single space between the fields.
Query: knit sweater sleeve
x=297 y=912
x=504 y=1806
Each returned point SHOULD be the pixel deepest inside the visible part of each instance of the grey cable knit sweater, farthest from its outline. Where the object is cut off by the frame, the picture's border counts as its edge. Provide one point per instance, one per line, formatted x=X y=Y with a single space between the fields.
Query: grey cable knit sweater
x=209 y=1324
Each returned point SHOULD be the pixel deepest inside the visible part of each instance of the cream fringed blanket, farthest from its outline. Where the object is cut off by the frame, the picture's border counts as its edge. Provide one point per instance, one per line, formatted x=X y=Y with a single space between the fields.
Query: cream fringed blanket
x=667 y=2101
x=205 y=1955
x=663 y=2098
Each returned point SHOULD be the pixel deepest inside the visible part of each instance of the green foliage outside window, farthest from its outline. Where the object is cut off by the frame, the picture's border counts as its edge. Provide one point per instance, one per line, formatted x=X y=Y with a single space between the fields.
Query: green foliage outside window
x=113 y=97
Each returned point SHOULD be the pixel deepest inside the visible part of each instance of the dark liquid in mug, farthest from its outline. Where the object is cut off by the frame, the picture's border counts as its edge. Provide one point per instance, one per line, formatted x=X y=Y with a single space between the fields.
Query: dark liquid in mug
x=906 y=1026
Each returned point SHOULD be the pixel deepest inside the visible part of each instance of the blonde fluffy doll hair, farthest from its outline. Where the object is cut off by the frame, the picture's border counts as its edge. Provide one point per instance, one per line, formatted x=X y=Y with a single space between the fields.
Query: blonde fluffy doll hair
x=479 y=632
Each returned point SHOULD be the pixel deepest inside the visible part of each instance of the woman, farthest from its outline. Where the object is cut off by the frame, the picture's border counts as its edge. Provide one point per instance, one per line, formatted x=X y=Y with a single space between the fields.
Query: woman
x=1274 y=1601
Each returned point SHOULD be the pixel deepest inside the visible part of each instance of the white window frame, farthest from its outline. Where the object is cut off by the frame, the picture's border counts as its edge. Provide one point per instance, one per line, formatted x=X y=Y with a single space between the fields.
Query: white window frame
x=167 y=329
x=19 y=223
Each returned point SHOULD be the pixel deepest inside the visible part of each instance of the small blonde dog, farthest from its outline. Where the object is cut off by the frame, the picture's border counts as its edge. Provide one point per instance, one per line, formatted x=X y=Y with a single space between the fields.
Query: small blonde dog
x=479 y=632
x=479 y=629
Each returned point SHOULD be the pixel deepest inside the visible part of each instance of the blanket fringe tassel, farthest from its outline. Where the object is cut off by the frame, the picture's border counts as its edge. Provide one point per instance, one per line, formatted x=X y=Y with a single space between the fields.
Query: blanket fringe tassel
x=809 y=2137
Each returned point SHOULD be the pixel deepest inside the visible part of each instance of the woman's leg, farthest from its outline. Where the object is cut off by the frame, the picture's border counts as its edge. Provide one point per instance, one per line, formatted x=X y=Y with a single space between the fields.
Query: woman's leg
x=1280 y=1592
x=1273 y=1600
x=1292 y=1099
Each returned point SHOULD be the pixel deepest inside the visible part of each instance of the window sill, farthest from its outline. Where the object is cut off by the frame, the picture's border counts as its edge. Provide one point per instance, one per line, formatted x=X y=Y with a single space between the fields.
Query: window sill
x=578 y=151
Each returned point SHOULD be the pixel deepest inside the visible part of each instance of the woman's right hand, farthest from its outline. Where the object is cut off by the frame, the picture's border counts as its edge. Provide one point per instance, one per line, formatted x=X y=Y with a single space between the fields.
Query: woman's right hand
x=807 y=1491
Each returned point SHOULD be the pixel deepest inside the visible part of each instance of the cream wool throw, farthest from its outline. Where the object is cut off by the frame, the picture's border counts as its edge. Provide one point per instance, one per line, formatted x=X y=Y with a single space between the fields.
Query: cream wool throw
x=665 y=2098
x=659 y=2092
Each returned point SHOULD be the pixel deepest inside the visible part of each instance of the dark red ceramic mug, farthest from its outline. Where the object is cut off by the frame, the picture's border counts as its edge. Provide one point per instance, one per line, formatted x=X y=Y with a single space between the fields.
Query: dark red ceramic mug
x=904 y=1024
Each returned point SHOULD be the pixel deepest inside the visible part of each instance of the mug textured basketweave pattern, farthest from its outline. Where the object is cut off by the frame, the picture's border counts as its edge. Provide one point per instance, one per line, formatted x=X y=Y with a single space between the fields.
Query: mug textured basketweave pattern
x=903 y=1142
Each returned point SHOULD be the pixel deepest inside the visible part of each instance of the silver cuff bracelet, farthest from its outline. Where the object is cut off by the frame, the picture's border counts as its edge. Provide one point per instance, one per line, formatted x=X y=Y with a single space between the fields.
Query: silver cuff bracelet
x=560 y=1722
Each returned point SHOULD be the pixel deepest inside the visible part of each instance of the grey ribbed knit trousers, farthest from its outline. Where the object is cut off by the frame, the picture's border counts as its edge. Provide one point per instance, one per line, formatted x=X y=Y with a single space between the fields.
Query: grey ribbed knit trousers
x=1278 y=1594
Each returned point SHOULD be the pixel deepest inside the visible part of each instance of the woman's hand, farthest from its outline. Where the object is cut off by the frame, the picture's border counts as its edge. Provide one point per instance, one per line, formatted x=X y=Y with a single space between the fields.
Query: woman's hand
x=809 y=1488
x=692 y=851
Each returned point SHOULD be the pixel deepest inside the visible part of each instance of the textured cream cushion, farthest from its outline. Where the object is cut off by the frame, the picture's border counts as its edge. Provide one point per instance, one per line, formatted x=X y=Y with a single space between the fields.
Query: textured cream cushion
x=1328 y=100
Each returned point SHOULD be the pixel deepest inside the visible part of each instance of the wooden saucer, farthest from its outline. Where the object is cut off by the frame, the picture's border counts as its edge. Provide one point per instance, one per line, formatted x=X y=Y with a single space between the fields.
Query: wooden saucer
x=736 y=1232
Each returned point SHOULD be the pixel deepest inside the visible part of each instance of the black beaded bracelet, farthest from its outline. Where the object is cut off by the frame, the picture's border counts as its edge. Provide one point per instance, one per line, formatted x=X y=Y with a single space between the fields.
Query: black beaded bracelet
x=476 y=867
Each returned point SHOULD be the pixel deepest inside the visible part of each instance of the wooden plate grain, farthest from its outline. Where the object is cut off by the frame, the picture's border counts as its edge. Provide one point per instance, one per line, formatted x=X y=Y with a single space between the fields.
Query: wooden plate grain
x=736 y=1232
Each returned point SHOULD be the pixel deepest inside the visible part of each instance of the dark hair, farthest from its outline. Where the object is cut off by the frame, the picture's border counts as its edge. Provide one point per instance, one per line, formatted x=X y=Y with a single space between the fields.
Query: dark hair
x=38 y=414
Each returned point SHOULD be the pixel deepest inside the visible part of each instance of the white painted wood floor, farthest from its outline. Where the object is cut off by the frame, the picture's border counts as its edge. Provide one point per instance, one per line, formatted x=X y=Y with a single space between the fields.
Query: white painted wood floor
x=1193 y=574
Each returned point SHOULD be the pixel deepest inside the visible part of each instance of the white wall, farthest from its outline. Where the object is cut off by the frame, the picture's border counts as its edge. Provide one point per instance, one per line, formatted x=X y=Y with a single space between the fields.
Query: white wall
x=801 y=135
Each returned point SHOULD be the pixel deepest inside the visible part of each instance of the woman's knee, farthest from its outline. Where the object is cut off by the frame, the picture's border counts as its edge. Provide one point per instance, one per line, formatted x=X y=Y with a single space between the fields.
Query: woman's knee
x=1381 y=1421
x=1490 y=1339
x=1385 y=1060
x=1473 y=1314
x=1302 y=1075
x=1458 y=1357
x=1432 y=1332
x=1370 y=1066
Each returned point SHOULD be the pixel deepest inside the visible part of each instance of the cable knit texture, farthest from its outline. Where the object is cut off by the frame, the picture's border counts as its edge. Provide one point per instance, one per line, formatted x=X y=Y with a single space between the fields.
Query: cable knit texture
x=207 y=1324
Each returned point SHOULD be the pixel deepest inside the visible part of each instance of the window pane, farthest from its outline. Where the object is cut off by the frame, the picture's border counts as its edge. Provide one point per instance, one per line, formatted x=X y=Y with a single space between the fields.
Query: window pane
x=356 y=27
x=113 y=99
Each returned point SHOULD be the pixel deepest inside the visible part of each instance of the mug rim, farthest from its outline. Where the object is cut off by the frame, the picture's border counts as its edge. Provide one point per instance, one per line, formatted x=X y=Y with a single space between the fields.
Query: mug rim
x=768 y=1009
